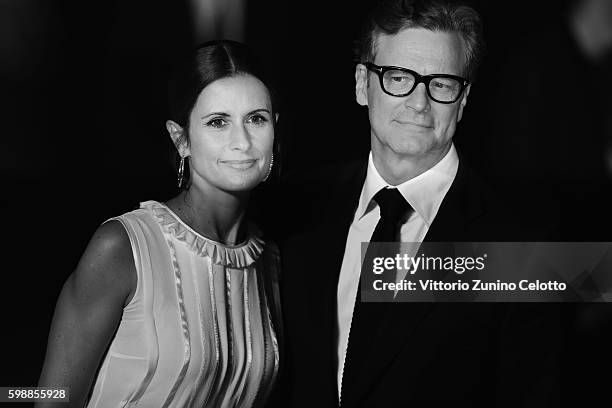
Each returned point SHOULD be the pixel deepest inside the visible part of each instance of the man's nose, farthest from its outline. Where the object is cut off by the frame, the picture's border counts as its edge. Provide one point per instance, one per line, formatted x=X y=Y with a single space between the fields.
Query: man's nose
x=418 y=99
x=240 y=138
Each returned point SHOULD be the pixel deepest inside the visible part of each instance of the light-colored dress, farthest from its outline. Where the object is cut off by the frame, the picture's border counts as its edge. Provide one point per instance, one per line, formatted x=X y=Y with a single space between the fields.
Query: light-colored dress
x=201 y=328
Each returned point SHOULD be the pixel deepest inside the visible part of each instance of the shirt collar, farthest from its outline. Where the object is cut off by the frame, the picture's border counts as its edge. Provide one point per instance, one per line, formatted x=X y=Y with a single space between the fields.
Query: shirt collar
x=424 y=192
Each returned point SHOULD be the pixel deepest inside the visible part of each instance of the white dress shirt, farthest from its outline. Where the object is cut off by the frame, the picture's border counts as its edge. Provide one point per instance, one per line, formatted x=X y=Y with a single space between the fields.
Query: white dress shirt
x=424 y=193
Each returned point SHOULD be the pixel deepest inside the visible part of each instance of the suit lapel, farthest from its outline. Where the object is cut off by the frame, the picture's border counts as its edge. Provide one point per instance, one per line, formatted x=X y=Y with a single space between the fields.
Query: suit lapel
x=462 y=204
x=333 y=231
x=330 y=240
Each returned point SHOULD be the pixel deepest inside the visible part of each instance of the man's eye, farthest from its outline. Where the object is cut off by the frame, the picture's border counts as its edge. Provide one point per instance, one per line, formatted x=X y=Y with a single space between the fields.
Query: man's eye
x=399 y=78
x=217 y=123
x=257 y=119
x=441 y=85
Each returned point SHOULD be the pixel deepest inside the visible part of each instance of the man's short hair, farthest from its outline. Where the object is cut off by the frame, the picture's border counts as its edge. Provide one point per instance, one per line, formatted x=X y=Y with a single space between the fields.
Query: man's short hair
x=392 y=16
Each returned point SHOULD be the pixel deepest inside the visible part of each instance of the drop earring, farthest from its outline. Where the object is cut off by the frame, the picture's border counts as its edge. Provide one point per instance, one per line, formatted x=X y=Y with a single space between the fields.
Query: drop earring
x=269 y=168
x=181 y=172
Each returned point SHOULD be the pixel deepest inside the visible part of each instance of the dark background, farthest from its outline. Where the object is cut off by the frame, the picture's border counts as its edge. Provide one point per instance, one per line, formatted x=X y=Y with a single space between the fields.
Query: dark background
x=82 y=102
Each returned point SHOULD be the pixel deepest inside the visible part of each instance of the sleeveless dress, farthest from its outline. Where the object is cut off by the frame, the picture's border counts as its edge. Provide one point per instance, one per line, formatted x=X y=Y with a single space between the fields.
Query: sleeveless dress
x=201 y=328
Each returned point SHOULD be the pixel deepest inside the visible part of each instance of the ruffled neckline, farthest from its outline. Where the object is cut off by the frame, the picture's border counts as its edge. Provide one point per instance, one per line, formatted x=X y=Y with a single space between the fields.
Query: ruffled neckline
x=236 y=256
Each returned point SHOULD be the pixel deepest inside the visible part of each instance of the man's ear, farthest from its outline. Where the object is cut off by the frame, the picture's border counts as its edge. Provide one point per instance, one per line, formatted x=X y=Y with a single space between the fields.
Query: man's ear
x=179 y=138
x=361 y=84
x=276 y=115
x=463 y=102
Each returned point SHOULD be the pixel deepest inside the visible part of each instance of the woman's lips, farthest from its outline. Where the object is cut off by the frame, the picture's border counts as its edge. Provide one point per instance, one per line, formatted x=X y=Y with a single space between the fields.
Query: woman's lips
x=239 y=164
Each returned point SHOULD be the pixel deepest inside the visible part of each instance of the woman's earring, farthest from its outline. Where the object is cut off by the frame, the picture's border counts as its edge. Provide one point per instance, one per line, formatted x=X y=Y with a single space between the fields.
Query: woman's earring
x=269 y=168
x=181 y=172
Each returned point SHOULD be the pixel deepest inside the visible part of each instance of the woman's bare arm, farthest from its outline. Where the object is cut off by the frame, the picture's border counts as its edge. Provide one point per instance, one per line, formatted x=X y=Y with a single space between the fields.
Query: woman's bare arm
x=88 y=312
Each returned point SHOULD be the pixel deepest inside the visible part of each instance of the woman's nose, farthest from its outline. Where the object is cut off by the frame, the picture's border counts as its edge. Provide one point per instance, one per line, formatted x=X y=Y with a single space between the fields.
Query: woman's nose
x=240 y=138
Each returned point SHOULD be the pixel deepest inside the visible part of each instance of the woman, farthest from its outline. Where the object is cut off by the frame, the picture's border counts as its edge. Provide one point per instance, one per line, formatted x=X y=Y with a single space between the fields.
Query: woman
x=176 y=304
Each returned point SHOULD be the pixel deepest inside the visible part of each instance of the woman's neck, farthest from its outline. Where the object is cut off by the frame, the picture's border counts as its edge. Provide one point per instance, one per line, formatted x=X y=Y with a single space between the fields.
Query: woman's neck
x=218 y=215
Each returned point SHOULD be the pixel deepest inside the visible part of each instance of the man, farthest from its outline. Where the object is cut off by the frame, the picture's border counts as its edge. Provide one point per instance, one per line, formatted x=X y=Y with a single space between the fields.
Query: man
x=415 y=67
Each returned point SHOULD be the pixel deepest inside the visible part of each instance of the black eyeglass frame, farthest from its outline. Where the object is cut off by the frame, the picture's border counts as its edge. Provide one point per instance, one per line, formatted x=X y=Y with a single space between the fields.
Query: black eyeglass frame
x=418 y=78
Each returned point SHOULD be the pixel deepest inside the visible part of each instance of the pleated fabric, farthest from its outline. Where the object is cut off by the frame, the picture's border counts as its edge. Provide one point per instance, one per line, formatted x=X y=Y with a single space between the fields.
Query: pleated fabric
x=199 y=331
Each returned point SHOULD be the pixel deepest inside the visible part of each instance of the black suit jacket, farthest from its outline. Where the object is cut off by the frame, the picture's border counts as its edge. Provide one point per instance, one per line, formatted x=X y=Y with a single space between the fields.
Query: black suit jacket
x=411 y=354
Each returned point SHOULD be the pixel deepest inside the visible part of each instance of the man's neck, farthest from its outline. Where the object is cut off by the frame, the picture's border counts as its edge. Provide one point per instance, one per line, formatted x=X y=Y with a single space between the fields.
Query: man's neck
x=396 y=169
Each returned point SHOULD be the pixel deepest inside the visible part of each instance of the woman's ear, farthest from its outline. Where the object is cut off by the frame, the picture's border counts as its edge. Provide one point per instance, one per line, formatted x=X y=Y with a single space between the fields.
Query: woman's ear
x=276 y=118
x=179 y=138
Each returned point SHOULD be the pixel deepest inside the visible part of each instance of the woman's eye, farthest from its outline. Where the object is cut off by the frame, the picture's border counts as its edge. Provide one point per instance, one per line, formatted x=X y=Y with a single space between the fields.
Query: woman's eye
x=217 y=123
x=257 y=119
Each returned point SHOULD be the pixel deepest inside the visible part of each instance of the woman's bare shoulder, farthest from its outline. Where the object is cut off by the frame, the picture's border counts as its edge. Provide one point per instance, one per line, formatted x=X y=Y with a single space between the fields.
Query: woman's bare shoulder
x=107 y=266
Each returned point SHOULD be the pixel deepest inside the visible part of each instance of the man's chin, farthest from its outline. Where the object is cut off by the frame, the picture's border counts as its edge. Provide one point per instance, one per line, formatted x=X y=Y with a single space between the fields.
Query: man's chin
x=410 y=149
x=405 y=146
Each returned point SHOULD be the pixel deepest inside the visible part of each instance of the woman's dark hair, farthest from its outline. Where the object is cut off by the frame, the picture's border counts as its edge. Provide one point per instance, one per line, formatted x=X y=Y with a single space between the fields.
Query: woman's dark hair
x=207 y=63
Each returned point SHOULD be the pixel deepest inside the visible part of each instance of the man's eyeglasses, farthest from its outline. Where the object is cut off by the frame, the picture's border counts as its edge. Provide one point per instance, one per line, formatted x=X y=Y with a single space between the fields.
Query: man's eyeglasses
x=398 y=81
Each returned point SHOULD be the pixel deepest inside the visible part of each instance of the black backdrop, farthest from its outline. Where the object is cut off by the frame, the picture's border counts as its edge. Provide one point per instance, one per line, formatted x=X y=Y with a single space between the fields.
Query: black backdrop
x=83 y=108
